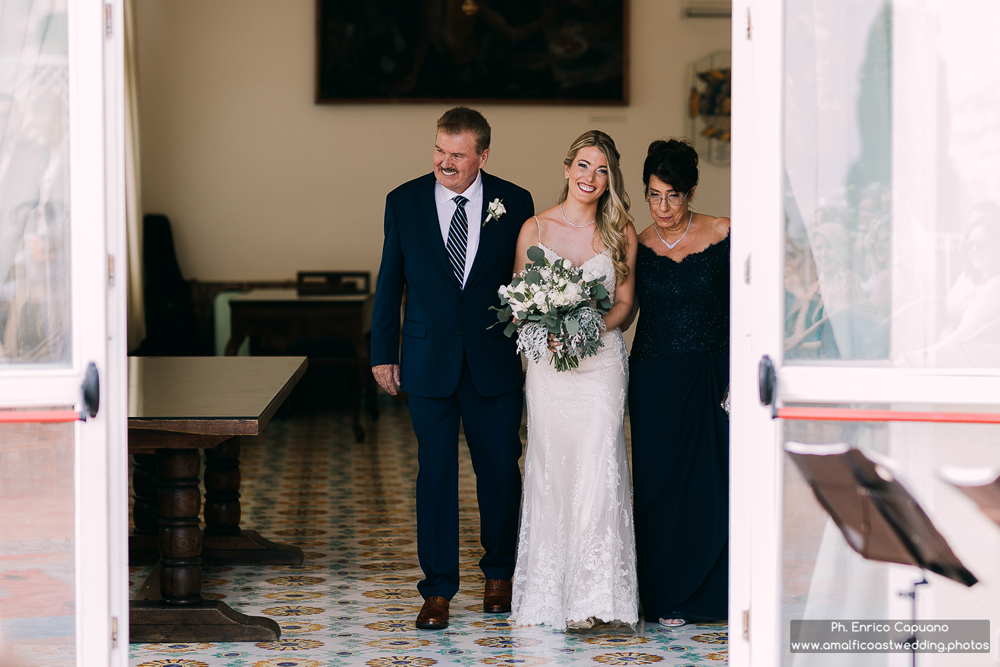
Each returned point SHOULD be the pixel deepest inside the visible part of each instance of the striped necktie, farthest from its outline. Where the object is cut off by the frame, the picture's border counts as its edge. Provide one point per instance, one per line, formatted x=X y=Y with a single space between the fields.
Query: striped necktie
x=458 y=238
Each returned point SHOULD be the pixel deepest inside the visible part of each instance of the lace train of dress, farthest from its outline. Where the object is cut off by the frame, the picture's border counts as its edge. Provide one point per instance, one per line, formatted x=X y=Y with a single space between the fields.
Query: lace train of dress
x=576 y=545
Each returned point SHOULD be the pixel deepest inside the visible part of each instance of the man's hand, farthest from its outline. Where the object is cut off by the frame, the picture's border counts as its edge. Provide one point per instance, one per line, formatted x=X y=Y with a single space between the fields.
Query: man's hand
x=387 y=376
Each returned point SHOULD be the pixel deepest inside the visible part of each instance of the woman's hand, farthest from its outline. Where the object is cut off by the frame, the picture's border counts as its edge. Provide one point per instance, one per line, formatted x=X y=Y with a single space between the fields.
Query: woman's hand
x=554 y=343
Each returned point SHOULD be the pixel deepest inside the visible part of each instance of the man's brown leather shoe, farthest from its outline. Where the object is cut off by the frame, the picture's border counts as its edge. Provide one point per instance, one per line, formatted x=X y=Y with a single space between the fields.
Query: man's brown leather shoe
x=434 y=614
x=496 y=599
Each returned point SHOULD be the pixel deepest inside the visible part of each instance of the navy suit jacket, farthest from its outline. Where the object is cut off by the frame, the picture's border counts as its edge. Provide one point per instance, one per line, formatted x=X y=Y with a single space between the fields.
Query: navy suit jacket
x=444 y=322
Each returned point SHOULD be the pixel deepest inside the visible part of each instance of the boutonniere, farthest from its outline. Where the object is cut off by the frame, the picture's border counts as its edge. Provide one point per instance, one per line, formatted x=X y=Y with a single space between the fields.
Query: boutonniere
x=495 y=210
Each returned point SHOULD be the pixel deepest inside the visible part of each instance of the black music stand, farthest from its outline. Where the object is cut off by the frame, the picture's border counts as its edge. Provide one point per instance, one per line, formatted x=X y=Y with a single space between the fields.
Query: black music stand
x=876 y=514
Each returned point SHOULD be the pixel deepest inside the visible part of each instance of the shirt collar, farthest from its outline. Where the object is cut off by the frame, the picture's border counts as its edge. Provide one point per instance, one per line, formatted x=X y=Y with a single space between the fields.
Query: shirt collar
x=473 y=192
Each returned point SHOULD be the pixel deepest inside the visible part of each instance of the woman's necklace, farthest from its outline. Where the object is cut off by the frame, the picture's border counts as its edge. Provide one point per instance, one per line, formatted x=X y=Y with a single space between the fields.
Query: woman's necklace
x=671 y=246
x=570 y=223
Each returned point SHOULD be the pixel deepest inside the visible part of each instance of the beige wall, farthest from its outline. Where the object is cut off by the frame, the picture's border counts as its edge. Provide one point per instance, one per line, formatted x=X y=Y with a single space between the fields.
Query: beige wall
x=259 y=182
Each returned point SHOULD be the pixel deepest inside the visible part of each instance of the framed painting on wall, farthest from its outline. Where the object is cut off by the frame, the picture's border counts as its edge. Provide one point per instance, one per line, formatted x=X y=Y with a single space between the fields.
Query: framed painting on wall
x=477 y=51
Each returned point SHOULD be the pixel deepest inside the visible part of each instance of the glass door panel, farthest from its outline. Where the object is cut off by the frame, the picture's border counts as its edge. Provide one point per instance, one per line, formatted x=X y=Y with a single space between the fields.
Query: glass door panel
x=35 y=294
x=823 y=578
x=37 y=486
x=891 y=192
x=37 y=545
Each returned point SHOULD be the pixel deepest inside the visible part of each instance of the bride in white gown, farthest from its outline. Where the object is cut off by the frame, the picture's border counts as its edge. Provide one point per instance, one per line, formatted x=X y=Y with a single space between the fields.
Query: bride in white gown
x=576 y=547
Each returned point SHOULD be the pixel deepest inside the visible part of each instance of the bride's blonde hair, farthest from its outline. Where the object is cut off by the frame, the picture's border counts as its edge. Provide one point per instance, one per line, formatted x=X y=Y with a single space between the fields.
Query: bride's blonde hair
x=614 y=204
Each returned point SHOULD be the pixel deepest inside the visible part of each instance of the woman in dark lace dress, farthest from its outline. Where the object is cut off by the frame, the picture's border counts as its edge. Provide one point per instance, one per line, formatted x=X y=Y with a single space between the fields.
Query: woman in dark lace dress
x=678 y=376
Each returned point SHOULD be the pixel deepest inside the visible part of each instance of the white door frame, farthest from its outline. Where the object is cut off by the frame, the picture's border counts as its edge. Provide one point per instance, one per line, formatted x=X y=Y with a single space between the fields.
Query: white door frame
x=756 y=280
x=116 y=382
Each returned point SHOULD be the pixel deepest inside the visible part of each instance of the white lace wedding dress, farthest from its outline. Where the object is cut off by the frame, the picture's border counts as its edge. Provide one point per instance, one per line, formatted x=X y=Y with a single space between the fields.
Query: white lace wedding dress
x=576 y=547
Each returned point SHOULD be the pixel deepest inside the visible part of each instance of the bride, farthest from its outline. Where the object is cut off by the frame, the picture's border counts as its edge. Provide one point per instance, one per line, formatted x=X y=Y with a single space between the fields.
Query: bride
x=576 y=548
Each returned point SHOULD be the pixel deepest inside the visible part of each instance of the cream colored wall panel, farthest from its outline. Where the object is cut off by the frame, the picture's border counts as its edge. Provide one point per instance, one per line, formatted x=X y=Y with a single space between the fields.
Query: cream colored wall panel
x=260 y=182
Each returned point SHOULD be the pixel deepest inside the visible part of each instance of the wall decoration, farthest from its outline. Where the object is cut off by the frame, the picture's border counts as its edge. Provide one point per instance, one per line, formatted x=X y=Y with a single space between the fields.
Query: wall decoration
x=476 y=51
x=709 y=107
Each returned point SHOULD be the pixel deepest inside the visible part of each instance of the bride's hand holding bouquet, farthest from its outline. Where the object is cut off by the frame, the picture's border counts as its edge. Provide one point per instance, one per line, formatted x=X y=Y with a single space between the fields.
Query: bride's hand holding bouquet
x=554 y=307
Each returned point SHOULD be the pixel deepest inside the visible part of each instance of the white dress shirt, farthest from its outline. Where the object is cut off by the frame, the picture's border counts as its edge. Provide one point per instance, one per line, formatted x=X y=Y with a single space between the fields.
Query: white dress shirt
x=444 y=199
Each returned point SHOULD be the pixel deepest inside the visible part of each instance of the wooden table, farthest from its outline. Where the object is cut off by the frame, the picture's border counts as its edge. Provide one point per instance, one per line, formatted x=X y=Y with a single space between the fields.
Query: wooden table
x=178 y=406
x=283 y=314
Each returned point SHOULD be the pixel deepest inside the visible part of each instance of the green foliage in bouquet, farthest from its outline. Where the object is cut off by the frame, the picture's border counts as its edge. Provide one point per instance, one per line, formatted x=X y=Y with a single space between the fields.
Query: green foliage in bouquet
x=554 y=299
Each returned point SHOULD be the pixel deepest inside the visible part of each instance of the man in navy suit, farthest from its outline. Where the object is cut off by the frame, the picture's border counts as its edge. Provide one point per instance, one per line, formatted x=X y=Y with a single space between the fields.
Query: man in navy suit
x=450 y=246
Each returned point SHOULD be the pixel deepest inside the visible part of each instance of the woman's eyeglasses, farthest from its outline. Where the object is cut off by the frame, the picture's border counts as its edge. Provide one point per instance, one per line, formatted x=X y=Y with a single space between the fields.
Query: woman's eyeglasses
x=673 y=198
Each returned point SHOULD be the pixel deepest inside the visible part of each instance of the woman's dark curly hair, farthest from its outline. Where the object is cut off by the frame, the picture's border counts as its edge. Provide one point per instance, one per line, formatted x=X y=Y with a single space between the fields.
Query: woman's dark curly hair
x=674 y=162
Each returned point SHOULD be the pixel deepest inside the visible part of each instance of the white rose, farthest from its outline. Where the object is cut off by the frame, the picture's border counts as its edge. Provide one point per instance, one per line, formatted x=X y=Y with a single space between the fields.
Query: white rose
x=567 y=264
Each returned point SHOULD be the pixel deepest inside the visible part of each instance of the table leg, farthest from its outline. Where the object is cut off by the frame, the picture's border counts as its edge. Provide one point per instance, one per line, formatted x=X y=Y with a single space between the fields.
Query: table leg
x=360 y=382
x=170 y=606
x=371 y=387
x=222 y=488
x=224 y=541
x=180 y=533
x=145 y=489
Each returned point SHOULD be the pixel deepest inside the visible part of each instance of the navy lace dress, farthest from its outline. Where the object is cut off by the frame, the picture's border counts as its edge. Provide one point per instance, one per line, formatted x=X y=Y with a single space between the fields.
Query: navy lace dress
x=678 y=374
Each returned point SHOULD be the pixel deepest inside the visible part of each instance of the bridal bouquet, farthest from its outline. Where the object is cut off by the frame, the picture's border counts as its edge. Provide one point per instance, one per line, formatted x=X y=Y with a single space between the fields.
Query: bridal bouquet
x=554 y=299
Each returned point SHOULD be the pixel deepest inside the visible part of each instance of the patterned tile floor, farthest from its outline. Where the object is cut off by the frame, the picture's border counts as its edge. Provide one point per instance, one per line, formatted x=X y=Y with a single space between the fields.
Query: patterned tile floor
x=353 y=602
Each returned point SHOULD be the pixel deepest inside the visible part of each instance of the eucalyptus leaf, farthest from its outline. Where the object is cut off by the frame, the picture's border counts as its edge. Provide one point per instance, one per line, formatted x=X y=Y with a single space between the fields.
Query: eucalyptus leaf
x=511 y=328
x=532 y=277
x=536 y=254
x=572 y=326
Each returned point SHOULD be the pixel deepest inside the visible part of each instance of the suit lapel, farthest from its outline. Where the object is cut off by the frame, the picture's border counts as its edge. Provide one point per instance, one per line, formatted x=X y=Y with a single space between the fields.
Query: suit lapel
x=486 y=233
x=429 y=216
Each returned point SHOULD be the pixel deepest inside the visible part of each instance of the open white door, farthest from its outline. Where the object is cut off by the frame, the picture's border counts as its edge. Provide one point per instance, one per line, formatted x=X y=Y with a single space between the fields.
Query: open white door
x=63 y=502
x=866 y=265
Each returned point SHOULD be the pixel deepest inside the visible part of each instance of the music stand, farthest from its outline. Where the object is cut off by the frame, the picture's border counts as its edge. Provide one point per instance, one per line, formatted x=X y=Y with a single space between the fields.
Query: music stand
x=875 y=513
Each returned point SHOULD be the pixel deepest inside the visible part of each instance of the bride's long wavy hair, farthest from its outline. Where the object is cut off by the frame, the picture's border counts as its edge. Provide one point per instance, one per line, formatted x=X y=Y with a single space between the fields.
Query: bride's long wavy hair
x=614 y=204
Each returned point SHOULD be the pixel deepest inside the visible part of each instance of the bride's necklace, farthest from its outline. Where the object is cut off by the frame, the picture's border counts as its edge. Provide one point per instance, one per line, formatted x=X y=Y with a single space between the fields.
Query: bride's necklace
x=671 y=246
x=571 y=224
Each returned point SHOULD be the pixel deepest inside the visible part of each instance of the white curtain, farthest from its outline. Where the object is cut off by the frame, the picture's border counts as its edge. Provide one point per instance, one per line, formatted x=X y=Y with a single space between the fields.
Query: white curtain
x=133 y=183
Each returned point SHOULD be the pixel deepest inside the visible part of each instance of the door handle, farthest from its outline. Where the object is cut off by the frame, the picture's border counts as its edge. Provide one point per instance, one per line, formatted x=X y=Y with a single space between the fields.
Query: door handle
x=91 y=390
x=767 y=381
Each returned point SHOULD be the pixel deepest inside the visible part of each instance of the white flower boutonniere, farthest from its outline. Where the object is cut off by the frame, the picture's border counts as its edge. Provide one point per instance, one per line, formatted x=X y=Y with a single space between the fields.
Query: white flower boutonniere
x=495 y=210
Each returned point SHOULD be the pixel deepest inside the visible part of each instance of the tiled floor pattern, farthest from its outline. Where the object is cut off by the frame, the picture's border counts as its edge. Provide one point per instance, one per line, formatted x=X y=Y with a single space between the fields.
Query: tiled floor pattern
x=353 y=602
